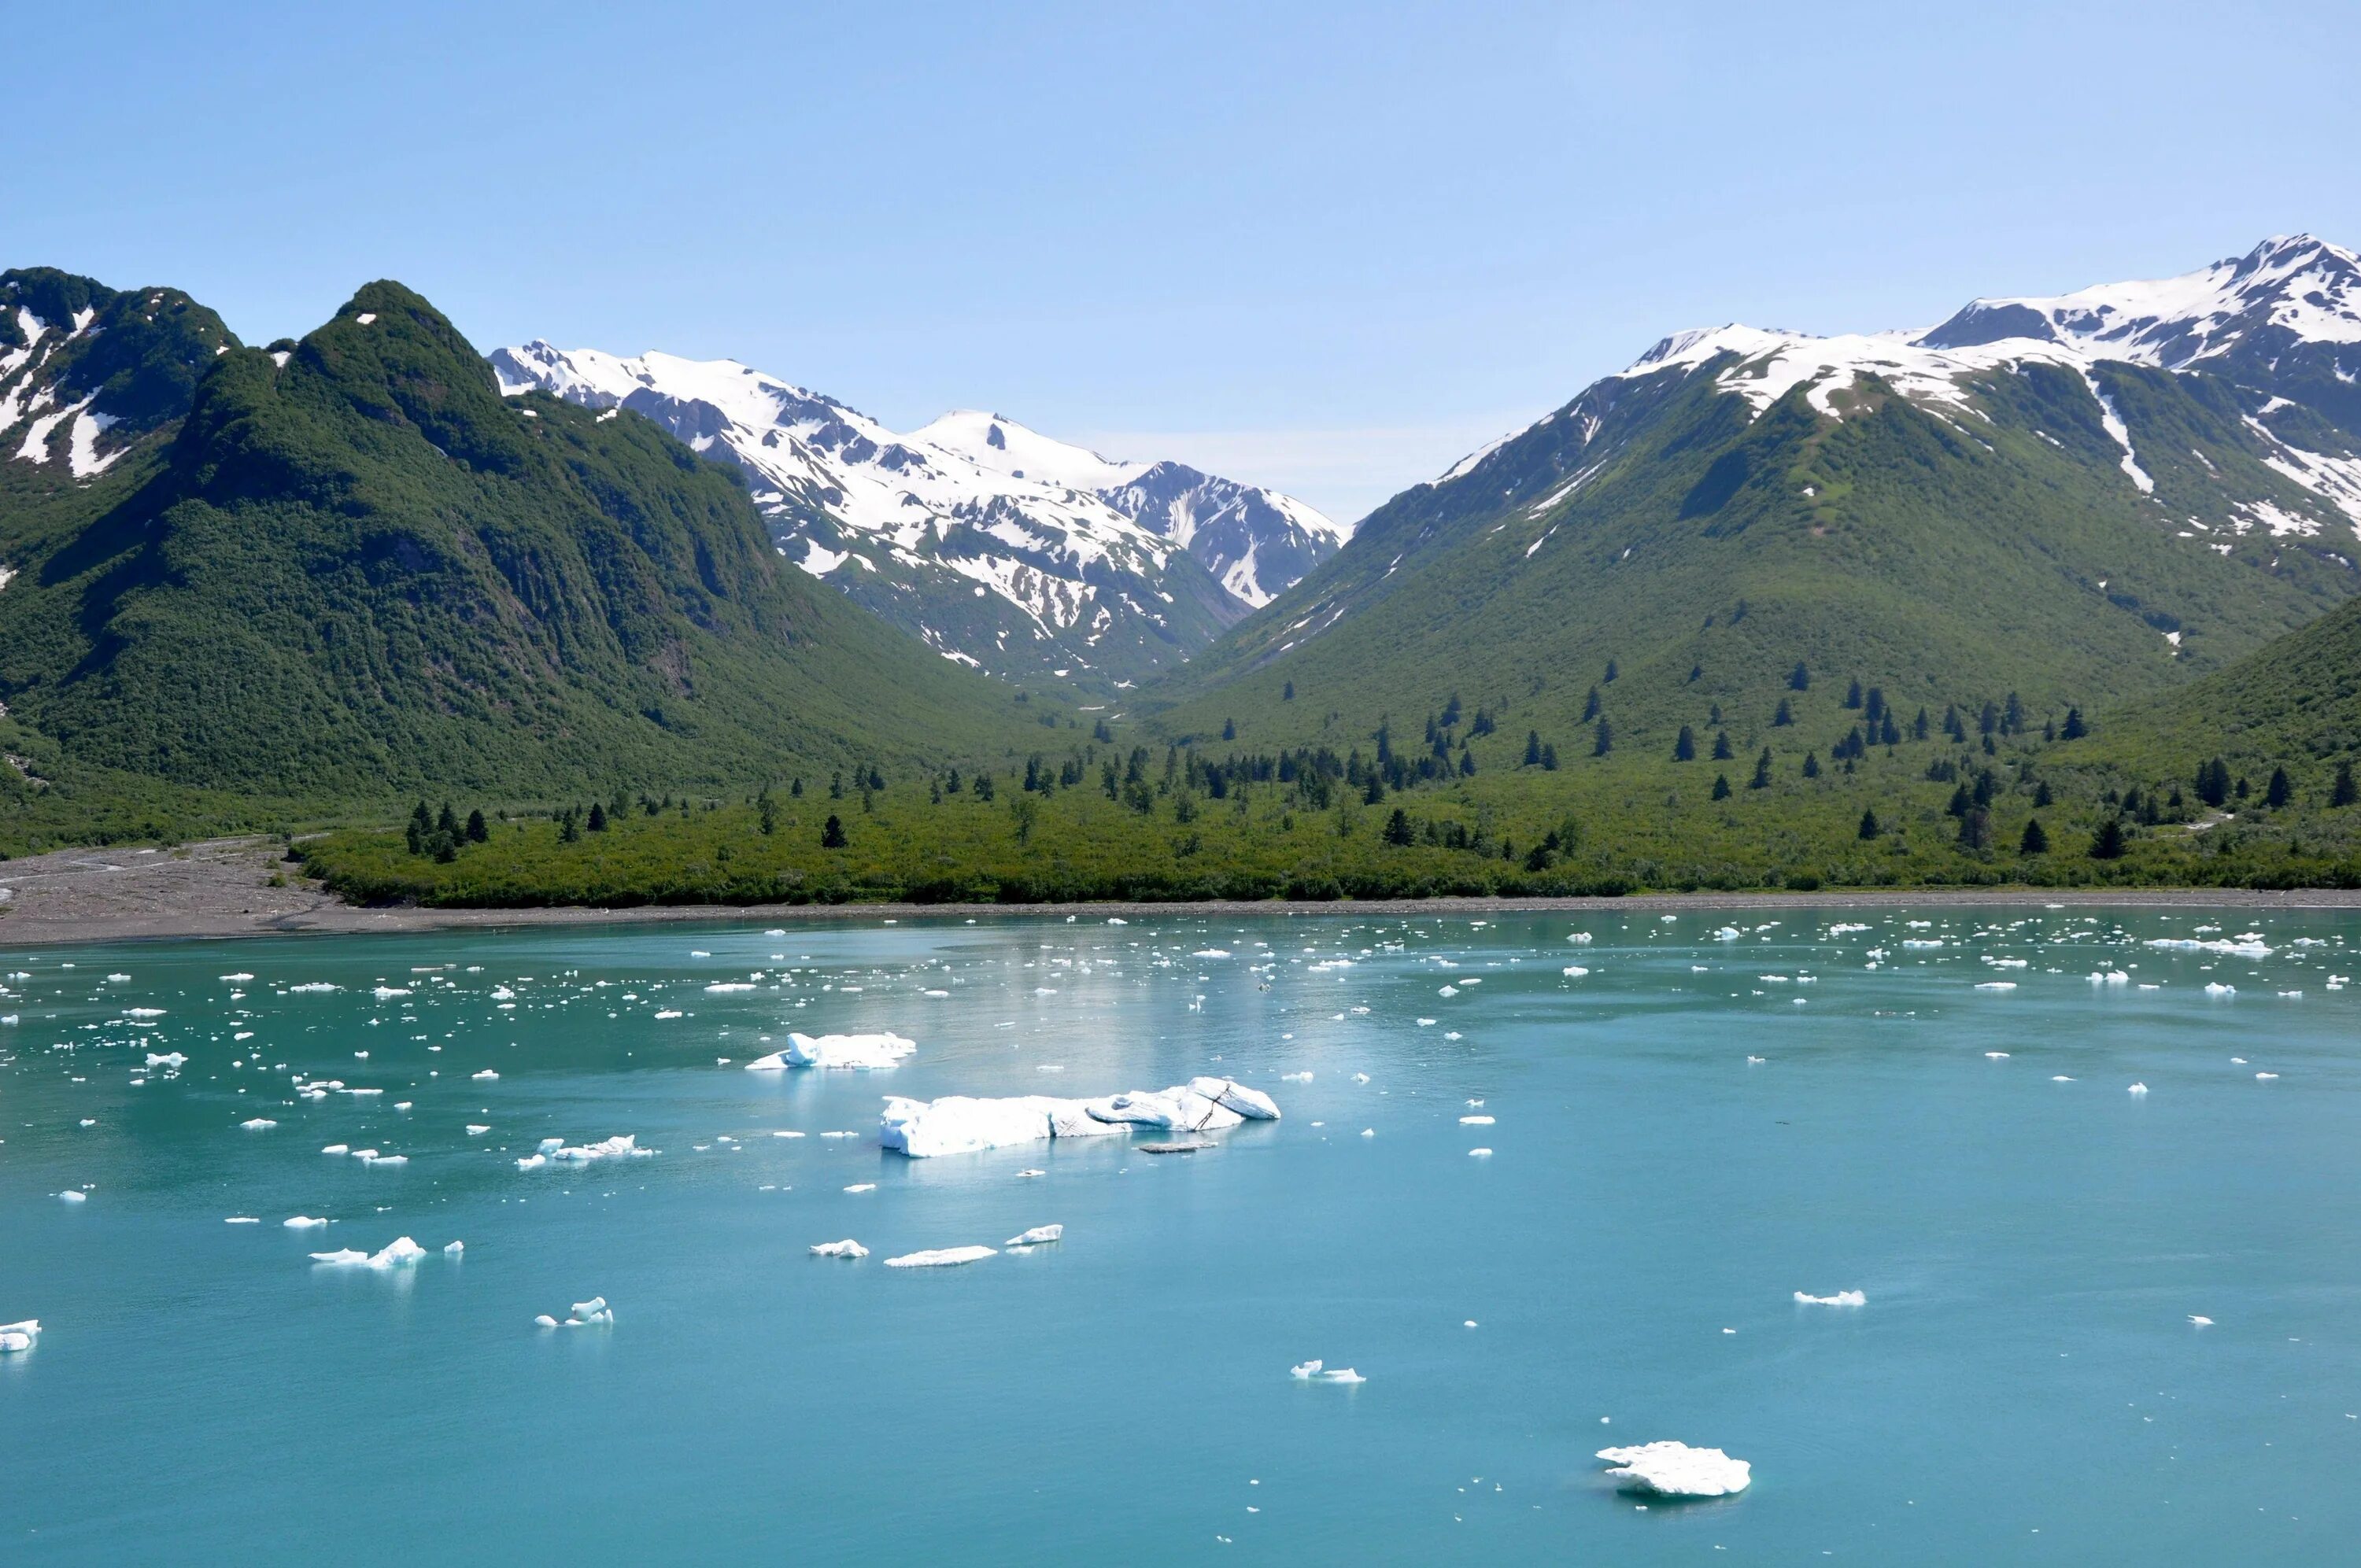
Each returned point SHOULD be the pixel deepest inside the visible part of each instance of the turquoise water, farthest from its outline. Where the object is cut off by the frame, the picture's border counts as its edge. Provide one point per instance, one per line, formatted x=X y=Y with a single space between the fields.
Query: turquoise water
x=2023 y=1385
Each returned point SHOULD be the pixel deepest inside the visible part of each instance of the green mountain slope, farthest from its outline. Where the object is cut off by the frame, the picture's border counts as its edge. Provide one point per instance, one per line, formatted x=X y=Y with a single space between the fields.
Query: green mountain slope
x=354 y=571
x=1948 y=545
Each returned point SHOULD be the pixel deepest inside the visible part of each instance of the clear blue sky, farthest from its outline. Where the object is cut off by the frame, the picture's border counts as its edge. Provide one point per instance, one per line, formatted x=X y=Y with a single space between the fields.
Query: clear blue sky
x=1328 y=247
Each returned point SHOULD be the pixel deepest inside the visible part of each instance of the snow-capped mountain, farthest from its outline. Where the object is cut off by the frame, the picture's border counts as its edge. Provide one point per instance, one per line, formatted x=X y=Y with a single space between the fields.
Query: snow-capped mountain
x=85 y=370
x=999 y=547
x=2139 y=480
x=2281 y=323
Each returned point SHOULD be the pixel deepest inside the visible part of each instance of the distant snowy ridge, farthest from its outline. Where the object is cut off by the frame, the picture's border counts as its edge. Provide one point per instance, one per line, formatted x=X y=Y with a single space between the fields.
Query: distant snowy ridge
x=2283 y=323
x=1084 y=549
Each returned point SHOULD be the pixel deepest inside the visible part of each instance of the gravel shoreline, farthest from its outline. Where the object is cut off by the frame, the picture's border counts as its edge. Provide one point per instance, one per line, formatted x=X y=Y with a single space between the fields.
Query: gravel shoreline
x=220 y=889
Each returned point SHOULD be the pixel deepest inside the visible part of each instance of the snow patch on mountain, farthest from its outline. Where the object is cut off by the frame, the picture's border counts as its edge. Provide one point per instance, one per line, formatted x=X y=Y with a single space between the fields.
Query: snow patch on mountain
x=1081 y=545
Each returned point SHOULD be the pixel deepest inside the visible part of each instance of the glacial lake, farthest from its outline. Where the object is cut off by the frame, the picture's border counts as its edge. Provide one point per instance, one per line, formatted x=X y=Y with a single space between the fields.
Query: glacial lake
x=2023 y=1382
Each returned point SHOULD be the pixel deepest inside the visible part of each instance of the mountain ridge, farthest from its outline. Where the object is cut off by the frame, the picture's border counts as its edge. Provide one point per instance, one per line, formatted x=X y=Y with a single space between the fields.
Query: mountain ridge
x=998 y=546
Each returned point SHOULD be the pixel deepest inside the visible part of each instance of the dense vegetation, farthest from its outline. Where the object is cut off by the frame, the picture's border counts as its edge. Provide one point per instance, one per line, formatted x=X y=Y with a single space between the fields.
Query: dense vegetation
x=1826 y=801
x=355 y=570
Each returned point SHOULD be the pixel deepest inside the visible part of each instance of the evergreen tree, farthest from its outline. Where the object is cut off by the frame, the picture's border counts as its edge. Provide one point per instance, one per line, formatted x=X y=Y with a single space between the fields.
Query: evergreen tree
x=1951 y=725
x=1785 y=717
x=2012 y=722
x=1606 y=741
x=1229 y=728
x=2343 y=792
x=2075 y=728
x=421 y=827
x=1549 y=759
x=1868 y=823
x=568 y=829
x=2107 y=843
x=1811 y=765
x=447 y=823
x=1961 y=802
x=477 y=832
x=983 y=786
x=835 y=786
x=1467 y=758
x=597 y=823
x=831 y=834
x=1918 y=726
x=1721 y=752
x=1889 y=733
x=1721 y=787
x=1611 y=673
x=1852 y=692
x=2036 y=842
x=1590 y=705
x=1975 y=829
x=2279 y=792
x=1685 y=746
x=1714 y=716
x=796 y=789
x=1799 y=678
x=768 y=810
x=2041 y=795
x=1875 y=709
x=1532 y=748
x=1398 y=828
x=1697 y=673
x=1988 y=720
x=1761 y=779
x=1287 y=695
x=2213 y=782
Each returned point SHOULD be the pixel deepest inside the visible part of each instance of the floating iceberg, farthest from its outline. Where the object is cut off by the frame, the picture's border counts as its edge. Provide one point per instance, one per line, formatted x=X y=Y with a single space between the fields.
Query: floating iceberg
x=941 y=1257
x=170 y=1058
x=302 y=1222
x=73 y=1195
x=1996 y=985
x=400 y=1250
x=2243 y=948
x=2215 y=988
x=487 y=1076
x=2110 y=977
x=1038 y=1235
x=259 y=1123
x=622 y=1146
x=1842 y=1298
x=836 y=1050
x=1320 y=1372
x=23 y=1336
x=964 y=1125
x=594 y=1310
x=1676 y=1470
x=2138 y=1088
x=845 y=1248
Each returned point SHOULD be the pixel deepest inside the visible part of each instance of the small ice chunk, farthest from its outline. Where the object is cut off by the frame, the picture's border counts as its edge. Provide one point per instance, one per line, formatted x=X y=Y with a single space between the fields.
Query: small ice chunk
x=545 y=1321
x=594 y=1310
x=848 y=1247
x=1479 y=1154
x=941 y=1257
x=2138 y=1088
x=257 y=1124
x=1305 y=1370
x=19 y=1336
x=1038 y=1235
x=2200 y=1323
x=862 y=1186
x=73 y=1195
x=1676 y=1470
x=170 y=1058
x=1475 y=1121
x=487 y=1076
x=862 y=1051
x=477 y=1129
x=241 y=1220
x=453 y=1249
x=302 y=1222
x=1842 y=1298
x=2215 y=988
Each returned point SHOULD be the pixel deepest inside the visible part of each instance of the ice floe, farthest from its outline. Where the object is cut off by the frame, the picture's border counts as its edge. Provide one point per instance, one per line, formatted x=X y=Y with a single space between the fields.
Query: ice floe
x=17 y=1337
x=1038 y=1237
x=2250 y=945
x=836 y=1050
x=398 y=1251
x=1676 y=1470
x=257 y=1124
x=964 y=1125
x=1842 y=1298
x=582 y=1315
x=1321 y=1371
x=848 y=1247
x=302 y=1222
x=943 y=1258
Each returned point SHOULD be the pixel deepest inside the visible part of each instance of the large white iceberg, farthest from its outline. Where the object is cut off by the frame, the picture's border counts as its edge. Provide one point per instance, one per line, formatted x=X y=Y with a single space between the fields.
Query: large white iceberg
x=836 y=1050
x=941 y=1257
x=848 y=1247
x=961 y=1123
x=400 y=1250
x=2245 y=946
x=1676 y=1470
x=19 y=1336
